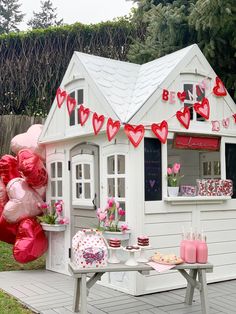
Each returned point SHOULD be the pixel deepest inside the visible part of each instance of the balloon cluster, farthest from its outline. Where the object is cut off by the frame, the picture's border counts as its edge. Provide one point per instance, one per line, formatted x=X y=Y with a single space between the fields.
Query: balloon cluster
x=23 y=181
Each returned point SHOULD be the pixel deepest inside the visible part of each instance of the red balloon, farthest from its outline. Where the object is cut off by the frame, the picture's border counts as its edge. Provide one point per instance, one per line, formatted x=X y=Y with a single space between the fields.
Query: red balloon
x=8 y=168
x=31 y=242
x=3 y=196
x=32 y=168
x=8 y=231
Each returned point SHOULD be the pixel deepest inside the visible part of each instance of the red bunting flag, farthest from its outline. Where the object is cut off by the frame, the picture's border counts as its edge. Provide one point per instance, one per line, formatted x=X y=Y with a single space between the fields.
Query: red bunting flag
x=184 y=117
x=83 y=114
x=71 y=103
x=219 y=88
x=135 y=133
x=112 y=128
x=161 y=131
x=60 y=96
x=97 y=122
x=203 y=108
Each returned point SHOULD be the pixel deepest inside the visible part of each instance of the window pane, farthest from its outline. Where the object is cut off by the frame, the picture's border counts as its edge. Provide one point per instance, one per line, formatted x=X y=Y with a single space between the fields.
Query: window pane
x=59 y=169
x=87 y=191
x=72 y=118
x=122 y=205
x=53 y=172
x=78 y=171
x=121 y=187
x=59 y=188
x=86 y=171
x=190 y=109
x=111 y=186
x=53 y=188
x=217 y=168
x=188 y=88
x=121 y=164
x=78 y=190
x=200 y=92
x=111 y=165
x=207 y=168
x=80 y=96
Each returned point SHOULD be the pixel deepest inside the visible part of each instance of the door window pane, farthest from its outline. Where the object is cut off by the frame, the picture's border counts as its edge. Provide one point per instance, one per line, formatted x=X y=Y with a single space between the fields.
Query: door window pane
x=111 y=186
x=72 y=116
x=78 y=190
x=53 y=188
x=78 y=171
x=86 y=171
x=207 y=168
x=121 y=164
x=59 y=188
x=53 y=170
x=216 y=168
x=111 y=165
x=87 y=191
x=121 y=187
x=80 y=96
x=59 y=169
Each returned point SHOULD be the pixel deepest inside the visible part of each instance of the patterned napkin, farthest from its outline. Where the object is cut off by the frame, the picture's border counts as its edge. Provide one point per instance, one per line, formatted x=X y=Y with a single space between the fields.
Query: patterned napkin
x=160 y=267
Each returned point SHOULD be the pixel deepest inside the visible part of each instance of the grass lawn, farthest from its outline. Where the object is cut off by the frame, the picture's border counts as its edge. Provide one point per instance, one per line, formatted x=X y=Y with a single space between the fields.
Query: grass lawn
x=9 y=305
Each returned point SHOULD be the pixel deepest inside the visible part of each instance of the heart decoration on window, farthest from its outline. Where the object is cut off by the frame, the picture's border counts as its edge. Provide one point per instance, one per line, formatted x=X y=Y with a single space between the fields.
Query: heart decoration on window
x=184 y=117
x=83 y=114
x=203 y=108
x=181 y=96
x=219 y=88
x=112 y=128
x=135 y=133
x=71 y=103
x=234 y=116
x=97 y=122
x=60 y=96
x=160 y=130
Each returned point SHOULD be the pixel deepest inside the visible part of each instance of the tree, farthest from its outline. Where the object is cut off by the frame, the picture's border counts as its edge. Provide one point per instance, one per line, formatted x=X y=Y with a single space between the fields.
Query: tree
x=46 y=17
x=10 y=16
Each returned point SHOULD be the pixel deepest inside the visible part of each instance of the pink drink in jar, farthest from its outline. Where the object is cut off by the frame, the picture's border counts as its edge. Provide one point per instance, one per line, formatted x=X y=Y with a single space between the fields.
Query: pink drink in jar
x=202 y=252
x=190 y=251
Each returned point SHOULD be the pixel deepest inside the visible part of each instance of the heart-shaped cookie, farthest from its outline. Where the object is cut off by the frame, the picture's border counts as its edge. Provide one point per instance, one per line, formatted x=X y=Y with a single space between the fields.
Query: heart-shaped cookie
x=31 y=242
x=23 y=201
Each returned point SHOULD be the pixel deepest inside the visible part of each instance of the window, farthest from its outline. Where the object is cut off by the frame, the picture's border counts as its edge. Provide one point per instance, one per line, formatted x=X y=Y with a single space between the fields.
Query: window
x=56 y=185
x=210 y=165
x=194 y=93
x=116 y=182
x=79 y=97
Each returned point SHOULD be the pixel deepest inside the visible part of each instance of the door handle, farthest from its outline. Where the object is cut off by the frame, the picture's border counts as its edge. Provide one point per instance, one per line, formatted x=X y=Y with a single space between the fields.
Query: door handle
x=93 y=201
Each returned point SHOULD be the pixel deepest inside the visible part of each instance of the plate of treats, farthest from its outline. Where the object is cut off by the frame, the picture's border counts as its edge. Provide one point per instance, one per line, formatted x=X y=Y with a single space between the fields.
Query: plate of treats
x=166 y=259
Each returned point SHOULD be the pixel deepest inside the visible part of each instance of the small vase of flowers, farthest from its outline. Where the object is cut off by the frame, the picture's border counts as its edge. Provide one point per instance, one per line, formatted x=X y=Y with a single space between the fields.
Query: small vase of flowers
x=173 y=178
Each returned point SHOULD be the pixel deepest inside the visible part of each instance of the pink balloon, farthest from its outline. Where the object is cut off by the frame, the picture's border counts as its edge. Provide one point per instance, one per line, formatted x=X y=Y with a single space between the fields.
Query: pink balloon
x=42 y=192
x=29 y=140
x=32 y=168
x=3 y=196
x=23 y=201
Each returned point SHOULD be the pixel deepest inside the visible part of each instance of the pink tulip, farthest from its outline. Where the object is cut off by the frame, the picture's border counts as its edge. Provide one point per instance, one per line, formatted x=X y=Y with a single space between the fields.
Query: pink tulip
x=63 y=221
x=169 y=170
x=59 y=208
x=112 y=217
x=110 y=202
x=117 y=204
x=124 y=227
x=121 y=212
x=102 y=216
x=99 y=211
x=176 y=168
x=44 y=206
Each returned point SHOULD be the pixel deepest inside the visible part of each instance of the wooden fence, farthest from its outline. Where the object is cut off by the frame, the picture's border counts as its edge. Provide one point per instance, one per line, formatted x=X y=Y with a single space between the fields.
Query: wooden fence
x=11 y=125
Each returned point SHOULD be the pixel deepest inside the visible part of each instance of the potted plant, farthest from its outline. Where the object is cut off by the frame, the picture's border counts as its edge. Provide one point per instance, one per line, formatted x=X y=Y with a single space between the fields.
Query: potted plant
x=109 y=220
x=173 y=178
x=52 y=219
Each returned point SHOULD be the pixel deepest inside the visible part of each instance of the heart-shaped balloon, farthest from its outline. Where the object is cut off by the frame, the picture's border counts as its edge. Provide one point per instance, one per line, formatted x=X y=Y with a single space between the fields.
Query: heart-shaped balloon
x=61 y=96
x=32 y=168
x=29 y=140
x=83 y=114
x=8 y=168
x=135 y=133
x=182 y=96
x=112 y=128
x=219 y=88
x=23 y=201
x=97 y=122
x=161 y=131
x=31 y=242
x=184 y=117
x=70 y=103
x=3 y=196
x=8 y=231
x=203 y=108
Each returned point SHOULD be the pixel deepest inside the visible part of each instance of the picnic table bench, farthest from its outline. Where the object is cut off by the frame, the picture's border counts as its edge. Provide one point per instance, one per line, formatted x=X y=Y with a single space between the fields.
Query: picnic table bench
x=196 y=278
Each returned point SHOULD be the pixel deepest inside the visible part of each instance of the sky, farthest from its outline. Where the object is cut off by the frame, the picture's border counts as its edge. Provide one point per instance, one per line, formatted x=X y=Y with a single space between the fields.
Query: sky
x=84 y=11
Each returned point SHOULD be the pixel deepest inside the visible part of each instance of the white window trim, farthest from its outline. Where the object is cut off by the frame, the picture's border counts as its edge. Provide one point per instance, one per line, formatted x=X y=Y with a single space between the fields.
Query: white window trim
x=55 y=158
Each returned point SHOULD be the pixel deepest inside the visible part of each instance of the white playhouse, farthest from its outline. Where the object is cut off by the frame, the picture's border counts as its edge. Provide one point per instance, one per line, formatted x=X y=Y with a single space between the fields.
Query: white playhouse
x=178 y=96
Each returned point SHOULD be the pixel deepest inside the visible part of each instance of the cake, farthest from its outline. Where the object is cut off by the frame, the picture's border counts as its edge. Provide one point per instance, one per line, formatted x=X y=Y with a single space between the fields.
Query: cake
x=114 y=242
x=143 y=241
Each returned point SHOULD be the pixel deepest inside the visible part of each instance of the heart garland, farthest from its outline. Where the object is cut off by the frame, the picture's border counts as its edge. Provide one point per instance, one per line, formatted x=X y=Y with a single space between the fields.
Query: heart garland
x=182 y=96
x=160 y=130
x=219 y=88
x=184 y=117
x=71 y=103
x=203 y=108
x=83 y=114
x=97 y=122
x=112 y=128
x=135 y=133
x=60 y=96
x=234 y=116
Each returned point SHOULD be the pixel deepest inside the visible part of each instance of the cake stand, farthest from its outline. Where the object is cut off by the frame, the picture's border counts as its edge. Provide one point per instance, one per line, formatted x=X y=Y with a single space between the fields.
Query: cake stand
x=131 y=260
x=113 y=259
x=142 y=258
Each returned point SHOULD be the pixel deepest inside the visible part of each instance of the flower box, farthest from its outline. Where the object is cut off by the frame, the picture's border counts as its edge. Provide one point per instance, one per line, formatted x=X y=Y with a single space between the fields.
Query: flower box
x=53 y=228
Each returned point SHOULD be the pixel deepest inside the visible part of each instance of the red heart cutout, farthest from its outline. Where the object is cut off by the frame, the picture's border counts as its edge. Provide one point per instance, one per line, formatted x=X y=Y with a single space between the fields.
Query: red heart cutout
x=135 y=133
x=219 y=89
x=160 y=130
x=31 y=242
x=112 y=128
x=203 y=109
x=184 y=117
x=3 y=196
x=61 y=96
x=182 y=96
x=234 y=116
x=8 y=231
x=8 y=168
x=83 y=114
x=71 y=103
x=97 y=122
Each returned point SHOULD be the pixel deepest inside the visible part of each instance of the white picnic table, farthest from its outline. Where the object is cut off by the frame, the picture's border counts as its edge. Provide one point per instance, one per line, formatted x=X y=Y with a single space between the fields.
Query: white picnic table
x=196 y=278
